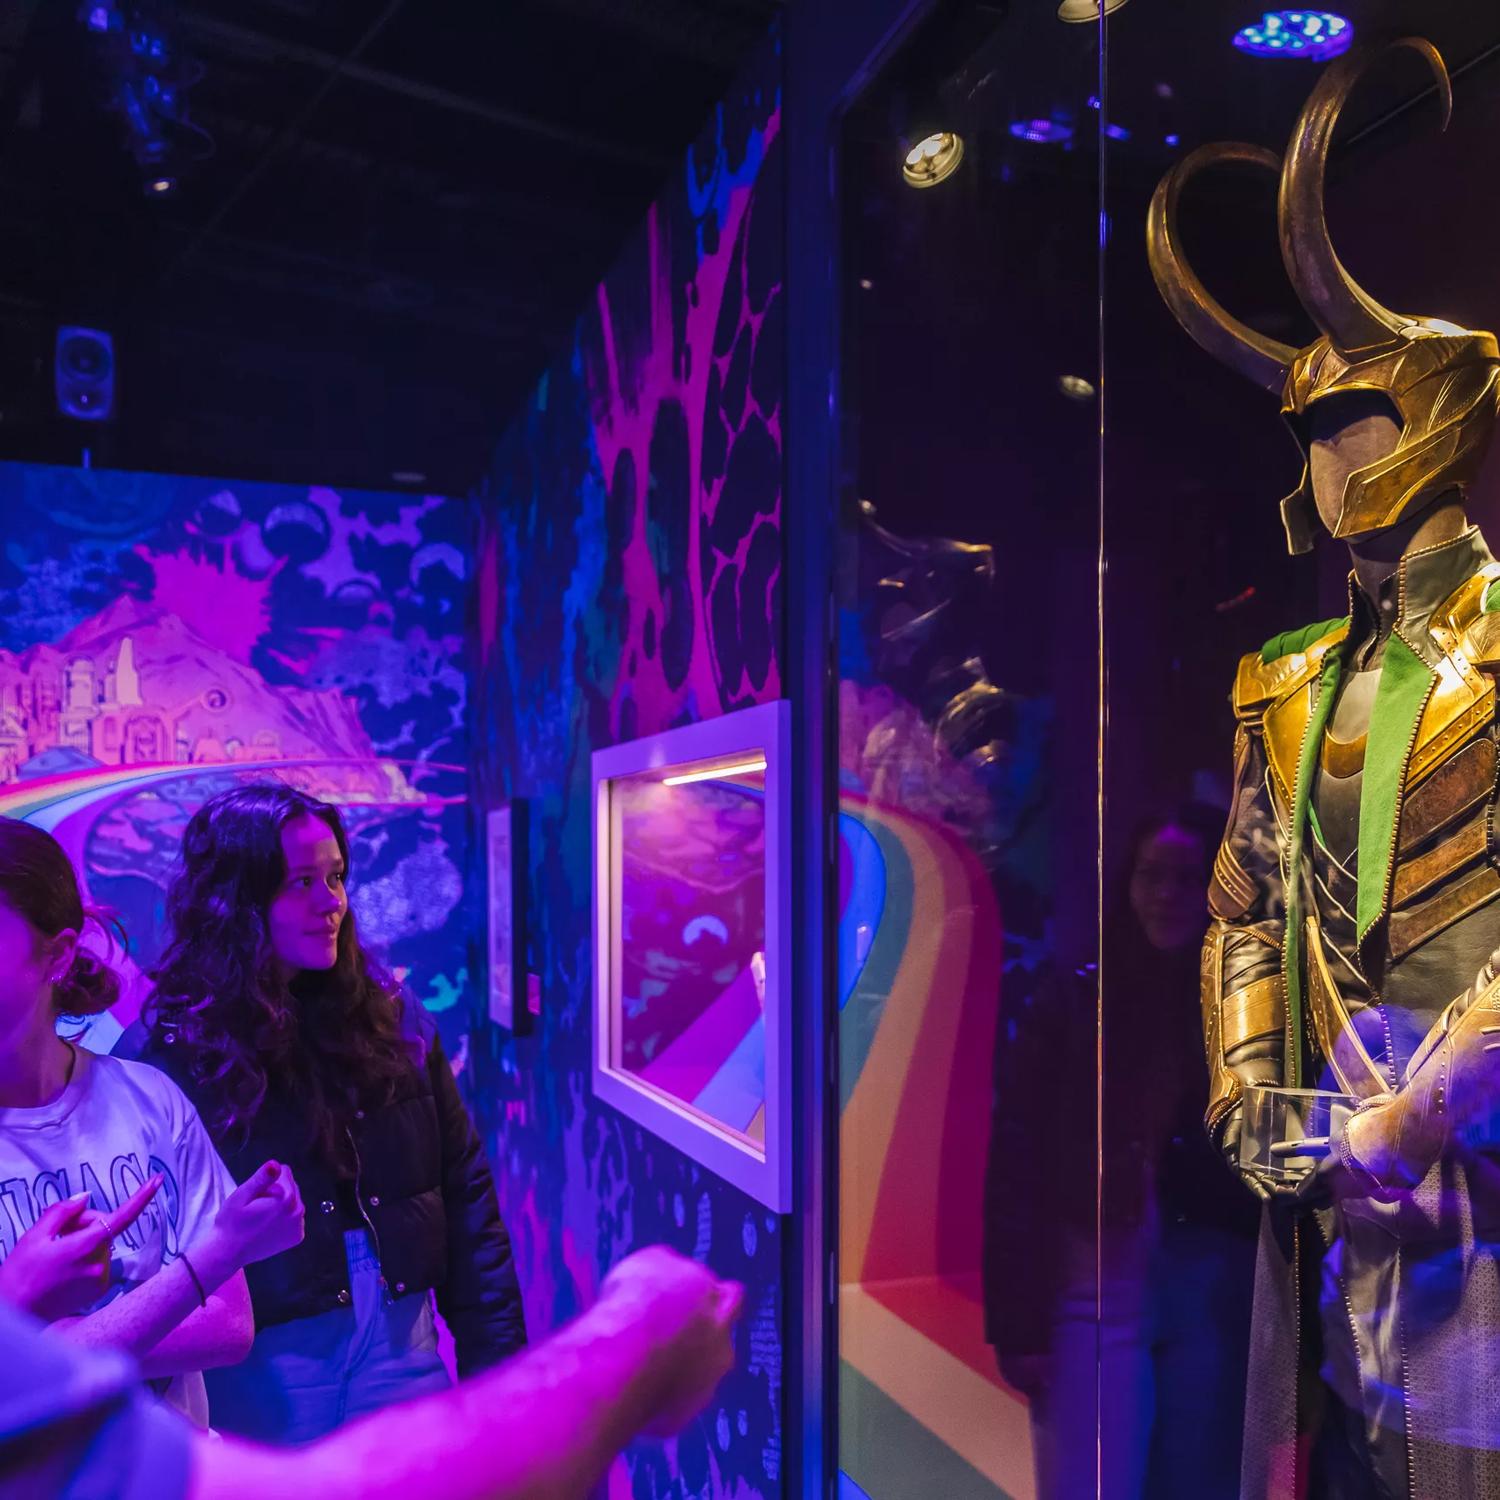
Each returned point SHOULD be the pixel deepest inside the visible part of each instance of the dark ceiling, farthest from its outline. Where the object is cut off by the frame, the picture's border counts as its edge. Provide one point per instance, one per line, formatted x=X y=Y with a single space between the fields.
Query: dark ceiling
x=388 y=212
x=385 y=216
x=1011 y=241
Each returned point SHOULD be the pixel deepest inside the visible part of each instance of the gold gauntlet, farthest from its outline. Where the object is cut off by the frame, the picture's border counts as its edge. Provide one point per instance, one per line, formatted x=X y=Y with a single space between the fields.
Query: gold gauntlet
x=1394 y=1140
x=1242 y=1029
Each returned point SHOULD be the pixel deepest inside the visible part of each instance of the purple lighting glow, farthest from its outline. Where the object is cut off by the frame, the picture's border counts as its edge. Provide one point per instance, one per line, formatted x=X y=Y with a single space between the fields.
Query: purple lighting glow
x=1116 y=132
x=1313 y=34
x=1047 y=132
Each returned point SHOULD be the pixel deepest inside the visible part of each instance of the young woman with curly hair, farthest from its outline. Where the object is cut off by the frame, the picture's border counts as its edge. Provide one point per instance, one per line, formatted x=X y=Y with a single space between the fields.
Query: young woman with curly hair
x=294 y=1043
x=119 y=1225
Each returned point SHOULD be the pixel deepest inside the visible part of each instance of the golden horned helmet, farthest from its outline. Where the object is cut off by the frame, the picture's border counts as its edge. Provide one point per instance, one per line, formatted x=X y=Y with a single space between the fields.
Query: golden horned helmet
x=1442 y=380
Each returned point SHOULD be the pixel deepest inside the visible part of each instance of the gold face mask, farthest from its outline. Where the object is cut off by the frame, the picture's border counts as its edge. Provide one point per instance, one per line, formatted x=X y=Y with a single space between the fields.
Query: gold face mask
x=1443 y=381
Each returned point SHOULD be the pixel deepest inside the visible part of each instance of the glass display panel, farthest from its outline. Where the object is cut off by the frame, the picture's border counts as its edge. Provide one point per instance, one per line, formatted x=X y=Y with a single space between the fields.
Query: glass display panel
x=1299 y=1196
x=968 y=747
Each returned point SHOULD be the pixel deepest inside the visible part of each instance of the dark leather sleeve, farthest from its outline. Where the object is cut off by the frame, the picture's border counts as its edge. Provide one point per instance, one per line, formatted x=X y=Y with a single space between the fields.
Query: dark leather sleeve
x=481 y=1299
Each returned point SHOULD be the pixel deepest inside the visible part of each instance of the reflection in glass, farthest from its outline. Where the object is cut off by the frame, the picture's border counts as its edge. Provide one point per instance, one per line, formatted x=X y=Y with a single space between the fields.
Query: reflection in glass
x=968 y=735
x=692 y=933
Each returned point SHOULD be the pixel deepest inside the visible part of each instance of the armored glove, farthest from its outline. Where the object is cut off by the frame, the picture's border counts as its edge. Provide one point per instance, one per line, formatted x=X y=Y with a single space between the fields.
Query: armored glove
x=1392 y=1141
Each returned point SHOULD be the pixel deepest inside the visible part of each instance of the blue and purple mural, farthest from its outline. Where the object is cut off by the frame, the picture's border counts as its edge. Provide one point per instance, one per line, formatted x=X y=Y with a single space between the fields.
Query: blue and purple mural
x=628 y=579
x=161 y=637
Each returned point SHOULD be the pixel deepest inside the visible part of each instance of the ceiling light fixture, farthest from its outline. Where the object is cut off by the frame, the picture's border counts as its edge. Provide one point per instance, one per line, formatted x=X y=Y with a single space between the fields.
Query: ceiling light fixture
x=1313 y=34
x=1081 y=12
x=1075 y=387
x=1045 y=132
x=933 y=159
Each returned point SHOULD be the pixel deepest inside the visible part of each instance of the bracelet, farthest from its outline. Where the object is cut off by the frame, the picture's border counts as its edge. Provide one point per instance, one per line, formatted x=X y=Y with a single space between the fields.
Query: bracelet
x=197 y=1285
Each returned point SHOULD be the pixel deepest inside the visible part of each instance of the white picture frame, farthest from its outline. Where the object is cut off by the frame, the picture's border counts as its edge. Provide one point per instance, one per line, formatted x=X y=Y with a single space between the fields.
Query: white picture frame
x=761 y=1168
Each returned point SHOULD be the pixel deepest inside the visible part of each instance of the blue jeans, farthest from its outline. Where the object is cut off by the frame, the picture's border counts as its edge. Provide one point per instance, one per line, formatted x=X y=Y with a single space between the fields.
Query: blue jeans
x=304 y=1378
x=1169 y=1358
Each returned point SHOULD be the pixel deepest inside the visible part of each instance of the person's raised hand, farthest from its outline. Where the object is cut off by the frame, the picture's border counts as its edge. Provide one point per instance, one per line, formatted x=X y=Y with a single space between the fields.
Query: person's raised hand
x=689 y=1316
x=262 y=1217
x=60 y=1266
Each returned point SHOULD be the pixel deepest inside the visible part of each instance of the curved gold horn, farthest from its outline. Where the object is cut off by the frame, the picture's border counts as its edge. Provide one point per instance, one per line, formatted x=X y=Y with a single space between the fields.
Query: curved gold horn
x=1351 y=319
x=1234 y=343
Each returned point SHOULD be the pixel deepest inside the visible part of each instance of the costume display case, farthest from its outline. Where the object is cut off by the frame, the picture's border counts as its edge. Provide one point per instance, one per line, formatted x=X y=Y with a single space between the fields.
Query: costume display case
x=1167 y=875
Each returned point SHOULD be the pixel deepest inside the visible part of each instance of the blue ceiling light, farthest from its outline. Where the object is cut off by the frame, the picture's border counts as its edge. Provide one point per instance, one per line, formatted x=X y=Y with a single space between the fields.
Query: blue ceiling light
x=1046 y=132
x=1116 y=132
x=1314 y=34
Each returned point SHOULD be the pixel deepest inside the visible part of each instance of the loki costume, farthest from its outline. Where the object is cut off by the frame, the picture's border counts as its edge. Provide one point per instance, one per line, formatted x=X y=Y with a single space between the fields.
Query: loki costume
x=1355 y=894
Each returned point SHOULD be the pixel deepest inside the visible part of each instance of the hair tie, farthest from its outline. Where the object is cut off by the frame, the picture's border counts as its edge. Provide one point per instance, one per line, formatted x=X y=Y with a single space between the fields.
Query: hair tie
x=197 y=1285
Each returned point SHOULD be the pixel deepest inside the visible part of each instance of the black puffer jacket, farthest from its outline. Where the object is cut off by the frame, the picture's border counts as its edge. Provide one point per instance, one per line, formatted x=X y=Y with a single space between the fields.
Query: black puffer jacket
x=423 y=1191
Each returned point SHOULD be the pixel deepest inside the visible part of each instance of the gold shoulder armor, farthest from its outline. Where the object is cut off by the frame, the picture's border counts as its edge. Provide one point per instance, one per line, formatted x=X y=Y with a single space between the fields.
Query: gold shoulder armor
x=1282 y=665
x=1481 y=643
x=1468 y=621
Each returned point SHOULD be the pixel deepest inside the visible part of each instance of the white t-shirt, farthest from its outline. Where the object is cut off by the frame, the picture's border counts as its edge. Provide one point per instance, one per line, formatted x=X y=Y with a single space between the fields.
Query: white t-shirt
x=116 y=1124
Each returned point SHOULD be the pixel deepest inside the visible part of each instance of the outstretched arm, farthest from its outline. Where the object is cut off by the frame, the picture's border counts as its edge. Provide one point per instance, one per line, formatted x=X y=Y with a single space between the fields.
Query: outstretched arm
x=543 y=1426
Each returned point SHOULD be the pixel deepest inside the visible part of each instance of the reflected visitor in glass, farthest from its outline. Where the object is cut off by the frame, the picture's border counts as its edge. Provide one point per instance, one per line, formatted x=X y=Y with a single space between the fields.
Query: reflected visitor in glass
x=1177 y=1238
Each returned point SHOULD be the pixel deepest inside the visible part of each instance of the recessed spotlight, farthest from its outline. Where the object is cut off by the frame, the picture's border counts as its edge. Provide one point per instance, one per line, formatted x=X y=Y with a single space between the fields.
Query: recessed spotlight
x=865 y=284
x=159 y=187
x=1315 y=34
x=933 y=159
x=1081 y=12
x=1047 y=132
x=1075 y=387
x=1172 y=140
x=1116 y=132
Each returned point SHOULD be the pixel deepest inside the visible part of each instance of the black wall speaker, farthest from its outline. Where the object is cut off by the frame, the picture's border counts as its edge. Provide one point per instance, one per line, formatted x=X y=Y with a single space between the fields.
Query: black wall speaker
x=84 y=370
